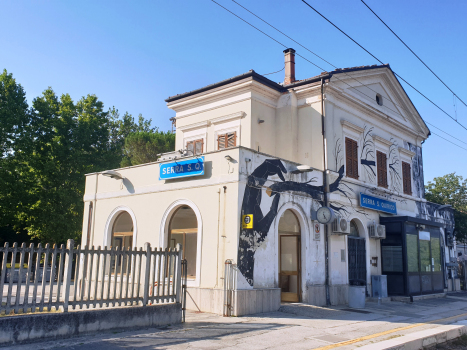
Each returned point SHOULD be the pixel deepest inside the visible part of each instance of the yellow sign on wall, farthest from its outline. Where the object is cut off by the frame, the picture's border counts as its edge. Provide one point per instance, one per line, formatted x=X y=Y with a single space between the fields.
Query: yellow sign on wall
x=247 y=221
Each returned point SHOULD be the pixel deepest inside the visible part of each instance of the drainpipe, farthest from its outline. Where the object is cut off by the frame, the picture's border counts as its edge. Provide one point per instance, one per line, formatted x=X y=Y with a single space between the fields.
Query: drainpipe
x=325 y=192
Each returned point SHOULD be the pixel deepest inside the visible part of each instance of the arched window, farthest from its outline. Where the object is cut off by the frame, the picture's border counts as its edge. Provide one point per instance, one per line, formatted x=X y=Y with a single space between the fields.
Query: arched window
x=353 y=229
x=288 y=223
x=122 y=231
x=183 y=229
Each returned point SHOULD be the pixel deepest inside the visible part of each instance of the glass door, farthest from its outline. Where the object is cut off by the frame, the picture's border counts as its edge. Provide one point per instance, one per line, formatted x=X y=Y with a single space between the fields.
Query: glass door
x=289 y=266
x=425 y=261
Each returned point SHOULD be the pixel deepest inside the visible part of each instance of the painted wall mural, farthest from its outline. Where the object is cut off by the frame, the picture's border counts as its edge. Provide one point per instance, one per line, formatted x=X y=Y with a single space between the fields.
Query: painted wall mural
x=367 y=155
x=417 y=170
x=394 y=166
x=251 y=239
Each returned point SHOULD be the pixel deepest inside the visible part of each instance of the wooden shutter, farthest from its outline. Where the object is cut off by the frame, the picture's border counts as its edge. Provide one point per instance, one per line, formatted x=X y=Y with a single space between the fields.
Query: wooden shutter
x=227 y=140
x=199 y=146
x=406 y=178
x=190 y=146
x=381 y=163
x=221 y=141
x=351 y=154
x=232 y=139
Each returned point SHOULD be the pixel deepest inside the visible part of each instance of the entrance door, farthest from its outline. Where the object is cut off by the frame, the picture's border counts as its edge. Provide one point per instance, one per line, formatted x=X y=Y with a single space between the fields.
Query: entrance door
x=431 y=273
x=357 y=261
x=289 y=257
x=289 y=275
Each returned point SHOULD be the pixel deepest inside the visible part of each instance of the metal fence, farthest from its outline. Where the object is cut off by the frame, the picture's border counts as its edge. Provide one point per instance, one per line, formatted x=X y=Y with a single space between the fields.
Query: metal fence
x=55 y=278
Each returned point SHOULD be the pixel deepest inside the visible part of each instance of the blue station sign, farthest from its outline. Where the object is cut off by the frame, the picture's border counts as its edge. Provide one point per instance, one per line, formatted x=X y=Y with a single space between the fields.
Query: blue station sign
x=376 y=203
x=182 y=168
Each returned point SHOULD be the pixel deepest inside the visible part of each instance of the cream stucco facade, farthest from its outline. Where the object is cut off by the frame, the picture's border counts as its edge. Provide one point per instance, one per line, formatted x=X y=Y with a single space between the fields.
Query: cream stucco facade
x=277 y=128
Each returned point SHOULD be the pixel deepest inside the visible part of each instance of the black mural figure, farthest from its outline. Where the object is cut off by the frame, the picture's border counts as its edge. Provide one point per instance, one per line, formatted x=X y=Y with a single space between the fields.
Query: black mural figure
x=251 y=239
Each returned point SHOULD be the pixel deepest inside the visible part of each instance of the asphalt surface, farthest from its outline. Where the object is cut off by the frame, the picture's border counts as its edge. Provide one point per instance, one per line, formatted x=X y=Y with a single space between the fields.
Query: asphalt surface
x=296 y=326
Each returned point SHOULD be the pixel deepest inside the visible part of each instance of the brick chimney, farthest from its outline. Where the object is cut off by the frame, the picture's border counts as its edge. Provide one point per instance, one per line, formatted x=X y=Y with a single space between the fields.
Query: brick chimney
x=289 y=58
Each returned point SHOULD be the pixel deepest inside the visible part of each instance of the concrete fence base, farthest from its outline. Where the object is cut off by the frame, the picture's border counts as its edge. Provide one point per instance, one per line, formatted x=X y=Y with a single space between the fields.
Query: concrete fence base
x=29 y=328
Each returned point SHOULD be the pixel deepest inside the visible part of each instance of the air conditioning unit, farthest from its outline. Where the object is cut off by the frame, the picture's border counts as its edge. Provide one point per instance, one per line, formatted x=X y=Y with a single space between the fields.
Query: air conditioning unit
x=377 y=231
x=340 y=226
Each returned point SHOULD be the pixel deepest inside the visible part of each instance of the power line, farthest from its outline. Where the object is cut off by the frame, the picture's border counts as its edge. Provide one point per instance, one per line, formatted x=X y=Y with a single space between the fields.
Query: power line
x=455 y=144
x=275 y=72
x=316 y=64
x=402 y=41
x=376 y=58
x=335 y=67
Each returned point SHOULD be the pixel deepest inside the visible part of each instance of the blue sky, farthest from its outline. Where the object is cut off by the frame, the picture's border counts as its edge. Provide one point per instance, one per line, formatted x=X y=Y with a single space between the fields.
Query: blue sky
x=133 y=55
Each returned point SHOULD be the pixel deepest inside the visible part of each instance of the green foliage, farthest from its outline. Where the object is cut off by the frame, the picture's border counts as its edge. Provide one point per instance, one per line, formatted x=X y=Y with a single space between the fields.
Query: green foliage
x=144 y=146
x=45 y=152
x=451 y=189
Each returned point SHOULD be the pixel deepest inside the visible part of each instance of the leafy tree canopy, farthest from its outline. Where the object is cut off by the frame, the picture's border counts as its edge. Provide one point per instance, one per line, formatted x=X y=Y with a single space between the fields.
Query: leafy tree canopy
x=46 y=150
x=145 y=146
x=451 y=189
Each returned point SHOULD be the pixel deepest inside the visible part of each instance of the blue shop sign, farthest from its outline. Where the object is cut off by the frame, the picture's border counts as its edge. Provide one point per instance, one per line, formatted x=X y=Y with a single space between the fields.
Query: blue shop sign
x=379 y=204
x=182 y=168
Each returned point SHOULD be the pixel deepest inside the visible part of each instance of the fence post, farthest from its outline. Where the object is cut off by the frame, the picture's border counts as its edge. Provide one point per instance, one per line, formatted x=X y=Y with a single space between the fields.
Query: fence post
x=67 y=278
x=178 y=277
x=147 y=248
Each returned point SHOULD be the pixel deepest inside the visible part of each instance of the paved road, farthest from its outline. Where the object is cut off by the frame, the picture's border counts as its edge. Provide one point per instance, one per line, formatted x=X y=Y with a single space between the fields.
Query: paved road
x=295 y=326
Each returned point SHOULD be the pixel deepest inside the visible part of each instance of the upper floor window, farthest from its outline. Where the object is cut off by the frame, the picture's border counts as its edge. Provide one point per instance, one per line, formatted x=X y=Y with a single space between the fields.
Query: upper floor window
x=379 y=99
x=406 y=178
x=227 y=140
x=381 y=164
x=351 y=155
x=195 y=146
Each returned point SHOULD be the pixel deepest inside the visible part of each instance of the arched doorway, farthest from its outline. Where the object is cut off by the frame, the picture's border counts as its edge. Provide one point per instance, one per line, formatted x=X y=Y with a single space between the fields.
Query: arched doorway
x=122 y=231
x=289 y=256
x=357 y=255
x=122 y=237
x=183 y=229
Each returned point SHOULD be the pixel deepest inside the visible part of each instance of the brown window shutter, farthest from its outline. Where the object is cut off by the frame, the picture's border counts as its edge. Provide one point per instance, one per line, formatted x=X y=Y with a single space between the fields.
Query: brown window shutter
x=406 y=178
x=199 y=146
x=381 y=164
x=221 y=141
x=190 y=146
x=351 y=155
x=232 y=139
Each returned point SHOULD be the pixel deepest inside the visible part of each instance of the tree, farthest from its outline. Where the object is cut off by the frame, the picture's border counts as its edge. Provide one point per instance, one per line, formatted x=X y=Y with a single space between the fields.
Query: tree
x=145 y=146
x=45 y=152
x=15 y=118
x=451 y=189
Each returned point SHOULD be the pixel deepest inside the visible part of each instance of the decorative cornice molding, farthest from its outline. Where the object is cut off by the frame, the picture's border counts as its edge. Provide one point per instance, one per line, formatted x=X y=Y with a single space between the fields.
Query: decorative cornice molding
x=199 y=125
x=406 y=152
x=379 y=139
x=349 y=125
x=229 y=117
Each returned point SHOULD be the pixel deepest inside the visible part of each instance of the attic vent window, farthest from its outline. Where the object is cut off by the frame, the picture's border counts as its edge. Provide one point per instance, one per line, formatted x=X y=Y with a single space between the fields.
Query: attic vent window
x=379 y=99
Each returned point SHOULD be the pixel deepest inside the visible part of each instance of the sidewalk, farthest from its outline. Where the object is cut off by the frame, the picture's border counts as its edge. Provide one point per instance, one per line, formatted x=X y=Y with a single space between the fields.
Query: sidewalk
x=392 y=325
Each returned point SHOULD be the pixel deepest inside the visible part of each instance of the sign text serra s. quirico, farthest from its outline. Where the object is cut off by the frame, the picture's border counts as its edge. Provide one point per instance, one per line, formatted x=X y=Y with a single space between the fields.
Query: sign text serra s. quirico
x=182 y=168
x=376 y=203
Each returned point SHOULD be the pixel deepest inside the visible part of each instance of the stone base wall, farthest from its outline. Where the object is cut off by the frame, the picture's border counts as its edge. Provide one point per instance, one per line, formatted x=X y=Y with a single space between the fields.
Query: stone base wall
x=205 y=300
x=244 y=301
x=339 y=294
x=253 y=301
x=315 y=295
x=30 y=328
